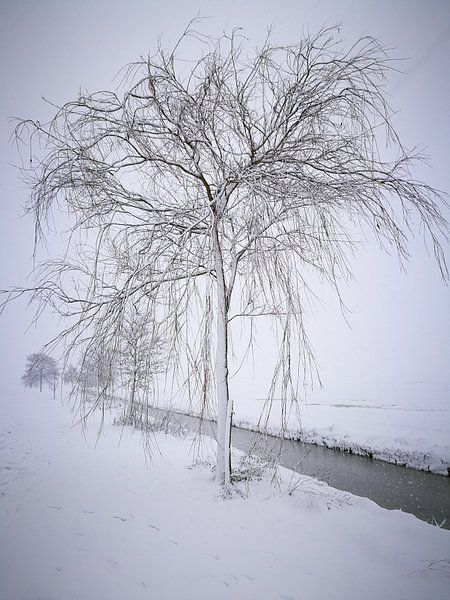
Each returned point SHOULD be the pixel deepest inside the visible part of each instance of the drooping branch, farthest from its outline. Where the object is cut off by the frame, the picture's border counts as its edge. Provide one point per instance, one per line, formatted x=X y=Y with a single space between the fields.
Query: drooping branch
x=222 y=185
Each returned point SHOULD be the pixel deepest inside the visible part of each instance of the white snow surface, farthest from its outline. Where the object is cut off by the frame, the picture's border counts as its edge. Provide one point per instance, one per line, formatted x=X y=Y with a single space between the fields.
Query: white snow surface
x=86 y=518
x=411 y=435
x=403 y=423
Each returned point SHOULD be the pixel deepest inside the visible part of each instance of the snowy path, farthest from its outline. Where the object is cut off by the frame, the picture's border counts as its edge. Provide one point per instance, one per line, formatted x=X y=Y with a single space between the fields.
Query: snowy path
x=79 y=523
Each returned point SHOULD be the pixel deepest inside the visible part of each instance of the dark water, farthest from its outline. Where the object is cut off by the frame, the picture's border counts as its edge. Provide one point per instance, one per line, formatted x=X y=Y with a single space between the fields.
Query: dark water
x=425 y=495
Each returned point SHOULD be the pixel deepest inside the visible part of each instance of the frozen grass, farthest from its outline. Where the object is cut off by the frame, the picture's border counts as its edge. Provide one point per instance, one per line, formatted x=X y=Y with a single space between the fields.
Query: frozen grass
x=89 y=518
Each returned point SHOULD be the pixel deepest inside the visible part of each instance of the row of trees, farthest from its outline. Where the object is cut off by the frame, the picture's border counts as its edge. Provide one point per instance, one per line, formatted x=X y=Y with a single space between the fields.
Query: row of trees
x=42 y=369
x=137 y=361
x=211 y=189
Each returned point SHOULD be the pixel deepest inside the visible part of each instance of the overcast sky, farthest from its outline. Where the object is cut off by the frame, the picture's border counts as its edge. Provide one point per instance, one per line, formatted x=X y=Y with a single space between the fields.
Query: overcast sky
x=400 y=323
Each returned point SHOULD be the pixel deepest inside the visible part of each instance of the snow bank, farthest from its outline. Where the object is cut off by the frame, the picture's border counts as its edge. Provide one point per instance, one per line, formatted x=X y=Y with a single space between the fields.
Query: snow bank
x=406 y=424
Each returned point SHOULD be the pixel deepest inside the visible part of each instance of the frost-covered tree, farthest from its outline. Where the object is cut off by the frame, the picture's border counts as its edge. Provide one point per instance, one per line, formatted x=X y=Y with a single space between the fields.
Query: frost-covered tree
x=211 y=188
x=97 y=371
x=140 y=353
x=70 y=375
x=41 y=368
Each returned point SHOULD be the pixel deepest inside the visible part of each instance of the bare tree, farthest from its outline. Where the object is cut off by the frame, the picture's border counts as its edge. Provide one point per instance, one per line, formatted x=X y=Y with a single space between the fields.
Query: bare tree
x=70 y=375
x=213 y=189
x=140 y=354
x=41 y=368
x=97 y=371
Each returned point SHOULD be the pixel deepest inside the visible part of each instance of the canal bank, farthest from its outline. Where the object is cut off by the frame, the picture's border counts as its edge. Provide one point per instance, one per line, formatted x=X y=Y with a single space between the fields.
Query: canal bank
x=395 y=487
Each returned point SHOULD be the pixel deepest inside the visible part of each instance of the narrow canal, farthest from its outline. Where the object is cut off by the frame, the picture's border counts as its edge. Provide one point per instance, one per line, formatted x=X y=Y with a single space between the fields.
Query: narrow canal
x=425 y=495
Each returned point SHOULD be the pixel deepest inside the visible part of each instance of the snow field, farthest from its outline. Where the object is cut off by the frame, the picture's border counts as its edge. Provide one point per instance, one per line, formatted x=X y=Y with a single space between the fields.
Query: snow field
x=405 y=423
x=86 y=518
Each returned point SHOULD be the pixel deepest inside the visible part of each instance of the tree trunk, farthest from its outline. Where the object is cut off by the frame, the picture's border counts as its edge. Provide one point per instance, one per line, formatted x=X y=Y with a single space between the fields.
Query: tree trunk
x=224 y=412
x=131 y=413
x=40 y=381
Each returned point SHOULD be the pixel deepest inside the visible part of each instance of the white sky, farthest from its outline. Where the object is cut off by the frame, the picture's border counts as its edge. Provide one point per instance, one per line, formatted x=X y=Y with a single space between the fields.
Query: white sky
x=400 y=323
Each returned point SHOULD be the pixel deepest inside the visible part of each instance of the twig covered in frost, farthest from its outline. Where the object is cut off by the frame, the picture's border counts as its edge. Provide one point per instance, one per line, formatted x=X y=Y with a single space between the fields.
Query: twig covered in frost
x=205 y=190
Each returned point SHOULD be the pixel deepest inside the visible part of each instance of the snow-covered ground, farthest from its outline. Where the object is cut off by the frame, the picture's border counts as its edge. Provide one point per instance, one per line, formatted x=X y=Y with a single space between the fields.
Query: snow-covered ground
x=405 y=429
x=85 y=519
x=407 y=424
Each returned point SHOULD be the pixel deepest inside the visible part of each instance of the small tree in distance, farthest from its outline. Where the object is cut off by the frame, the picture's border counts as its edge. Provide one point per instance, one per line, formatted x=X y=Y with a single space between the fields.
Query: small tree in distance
x=140 y=355
x=70 y=375
x=41 y=368
x=211 y=189
x=97 y=370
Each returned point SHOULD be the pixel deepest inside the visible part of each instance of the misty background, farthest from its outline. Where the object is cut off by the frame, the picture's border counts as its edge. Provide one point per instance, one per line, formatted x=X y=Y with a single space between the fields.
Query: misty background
x=397 y=342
